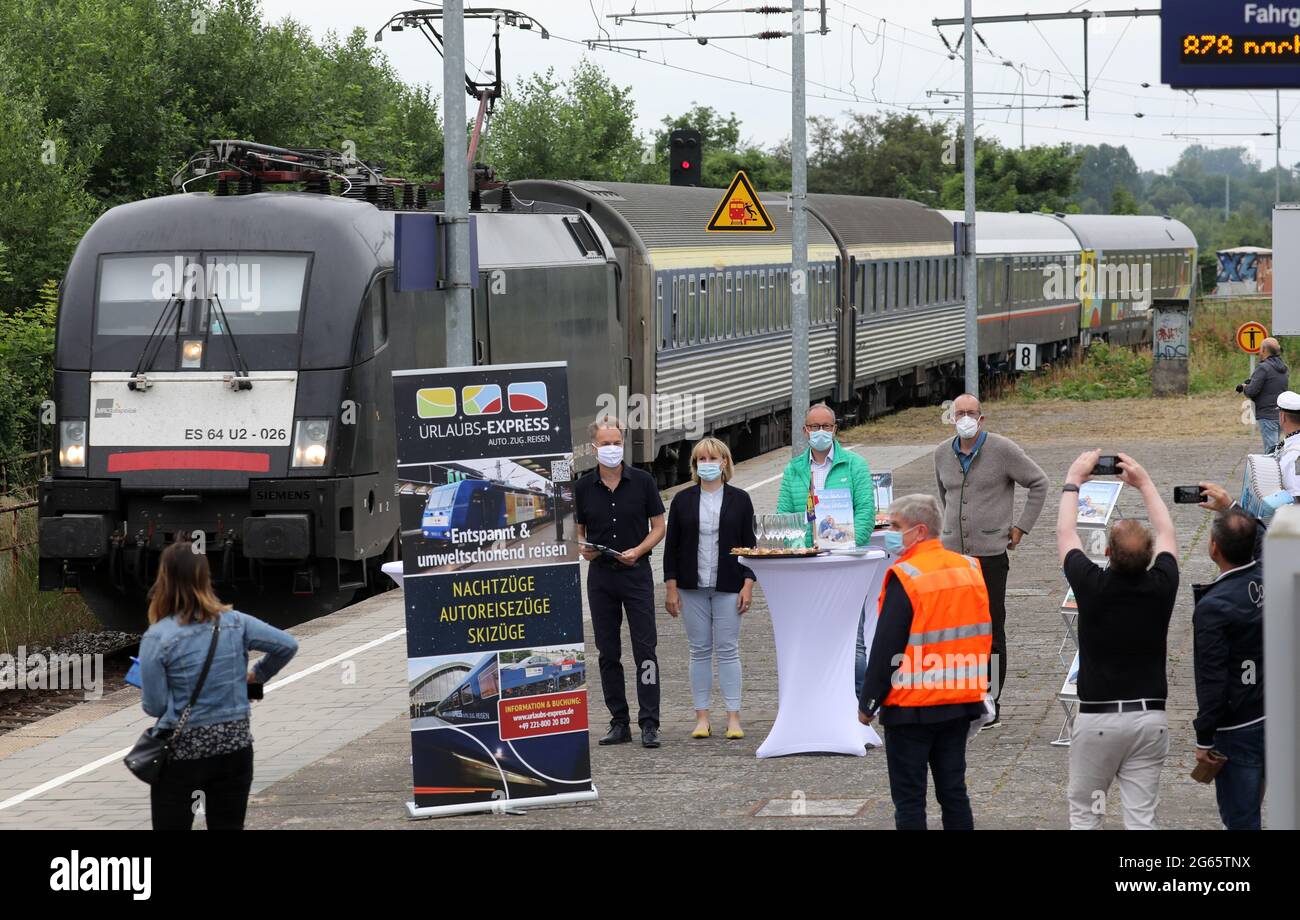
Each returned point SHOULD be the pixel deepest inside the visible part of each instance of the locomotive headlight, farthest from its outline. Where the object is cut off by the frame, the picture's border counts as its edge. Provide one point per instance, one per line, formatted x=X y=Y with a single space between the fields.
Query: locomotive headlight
x=72 y=444
x=192 y=354
x=310 y=442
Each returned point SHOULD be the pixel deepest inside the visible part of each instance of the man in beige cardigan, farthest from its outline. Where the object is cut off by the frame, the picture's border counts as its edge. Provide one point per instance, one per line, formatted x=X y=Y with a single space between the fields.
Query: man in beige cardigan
x=977 y=473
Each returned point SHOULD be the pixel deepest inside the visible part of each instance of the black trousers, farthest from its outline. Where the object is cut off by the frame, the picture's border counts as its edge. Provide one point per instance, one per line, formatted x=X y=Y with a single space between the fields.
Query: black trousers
x=609 y=594
x=995 y=580
x=941 y=747
x=223 y=780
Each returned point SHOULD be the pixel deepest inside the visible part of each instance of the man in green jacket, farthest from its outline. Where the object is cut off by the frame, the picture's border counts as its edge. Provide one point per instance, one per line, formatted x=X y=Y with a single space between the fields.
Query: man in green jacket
x=825 y=467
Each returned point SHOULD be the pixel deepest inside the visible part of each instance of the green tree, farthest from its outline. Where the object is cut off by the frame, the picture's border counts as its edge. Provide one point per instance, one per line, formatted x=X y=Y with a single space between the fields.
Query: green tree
x=891 y=155
x=1006 y=179
x=1102 y=169
x=579 y=128
x=44 y=208
x=1122 y=201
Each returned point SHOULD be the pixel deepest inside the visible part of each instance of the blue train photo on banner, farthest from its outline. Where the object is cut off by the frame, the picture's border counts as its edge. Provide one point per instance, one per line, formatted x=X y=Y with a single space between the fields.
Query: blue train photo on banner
x=479 y=504
x=476 y=514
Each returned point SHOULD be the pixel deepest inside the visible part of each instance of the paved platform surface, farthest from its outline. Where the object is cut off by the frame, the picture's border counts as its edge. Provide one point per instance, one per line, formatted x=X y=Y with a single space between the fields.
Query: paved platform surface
x=332 y=736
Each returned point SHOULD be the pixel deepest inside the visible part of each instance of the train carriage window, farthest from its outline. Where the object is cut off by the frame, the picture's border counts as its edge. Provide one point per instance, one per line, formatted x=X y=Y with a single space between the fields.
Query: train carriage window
x=784 y=279
x=762 y=301
x=774 y=301
x=728 y=308
x=690 y=310
x=746 y=304
x=659 y=313
x=719 y=307
x=679 y=310
x=704 y=308
x=270 y=303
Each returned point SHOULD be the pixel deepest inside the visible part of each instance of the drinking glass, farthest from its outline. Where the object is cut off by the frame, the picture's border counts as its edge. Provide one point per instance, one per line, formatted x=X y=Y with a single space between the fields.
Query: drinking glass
x=758 y=530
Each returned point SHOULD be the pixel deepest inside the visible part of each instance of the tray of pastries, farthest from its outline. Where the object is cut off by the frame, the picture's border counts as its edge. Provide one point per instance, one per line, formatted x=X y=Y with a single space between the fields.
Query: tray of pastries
x=750 y=552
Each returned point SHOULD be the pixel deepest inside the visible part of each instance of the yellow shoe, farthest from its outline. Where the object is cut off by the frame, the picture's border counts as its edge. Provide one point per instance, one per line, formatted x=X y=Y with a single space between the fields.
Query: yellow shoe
x=704 y=732
x=735 y=733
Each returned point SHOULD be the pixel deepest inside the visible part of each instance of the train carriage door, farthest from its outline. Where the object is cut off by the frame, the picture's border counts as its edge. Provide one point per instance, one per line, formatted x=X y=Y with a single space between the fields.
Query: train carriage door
x=849 y=294
x=1089 y=308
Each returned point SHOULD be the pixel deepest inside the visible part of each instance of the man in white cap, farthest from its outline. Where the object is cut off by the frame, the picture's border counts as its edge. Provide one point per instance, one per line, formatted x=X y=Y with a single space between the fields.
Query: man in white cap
x=1288 y=416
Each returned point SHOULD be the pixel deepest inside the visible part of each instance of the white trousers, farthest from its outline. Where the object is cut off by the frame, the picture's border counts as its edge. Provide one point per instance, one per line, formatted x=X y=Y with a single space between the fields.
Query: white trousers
x=1127 y=748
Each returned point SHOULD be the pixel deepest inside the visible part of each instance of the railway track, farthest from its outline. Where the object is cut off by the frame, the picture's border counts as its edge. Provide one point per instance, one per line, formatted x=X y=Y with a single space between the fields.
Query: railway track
x=19 y=707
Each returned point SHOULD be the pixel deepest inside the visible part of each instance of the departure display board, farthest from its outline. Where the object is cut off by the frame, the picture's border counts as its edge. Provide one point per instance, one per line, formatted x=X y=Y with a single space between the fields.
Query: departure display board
x=1230 y=44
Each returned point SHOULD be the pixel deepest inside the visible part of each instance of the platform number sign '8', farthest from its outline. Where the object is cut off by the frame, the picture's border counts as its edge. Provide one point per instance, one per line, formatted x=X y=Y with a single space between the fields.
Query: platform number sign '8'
x=1026 y=357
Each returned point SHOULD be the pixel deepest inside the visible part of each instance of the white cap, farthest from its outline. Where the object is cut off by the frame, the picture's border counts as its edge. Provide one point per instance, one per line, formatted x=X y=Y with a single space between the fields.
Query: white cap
x=1290 y=401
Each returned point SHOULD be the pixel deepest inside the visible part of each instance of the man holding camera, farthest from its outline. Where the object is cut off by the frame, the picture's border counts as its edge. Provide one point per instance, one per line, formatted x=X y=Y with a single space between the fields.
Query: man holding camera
x=1121 y=731
x=1270 y=379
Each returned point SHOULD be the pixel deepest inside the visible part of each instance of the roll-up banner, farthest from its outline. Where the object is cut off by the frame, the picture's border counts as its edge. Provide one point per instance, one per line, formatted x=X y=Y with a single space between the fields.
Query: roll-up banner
x=496 y=665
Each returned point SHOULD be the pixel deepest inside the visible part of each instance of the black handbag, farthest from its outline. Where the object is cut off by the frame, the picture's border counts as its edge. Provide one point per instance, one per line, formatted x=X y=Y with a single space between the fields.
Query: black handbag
x=152 y=751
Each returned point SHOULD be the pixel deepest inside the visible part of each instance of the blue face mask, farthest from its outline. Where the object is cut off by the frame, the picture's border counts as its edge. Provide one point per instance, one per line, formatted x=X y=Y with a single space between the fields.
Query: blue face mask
x=709 y=471
x=821 y=440
x=894 y=541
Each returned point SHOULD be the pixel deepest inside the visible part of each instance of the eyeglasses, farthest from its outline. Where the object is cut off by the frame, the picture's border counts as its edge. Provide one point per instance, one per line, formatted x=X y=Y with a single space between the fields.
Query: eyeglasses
x=830 y=427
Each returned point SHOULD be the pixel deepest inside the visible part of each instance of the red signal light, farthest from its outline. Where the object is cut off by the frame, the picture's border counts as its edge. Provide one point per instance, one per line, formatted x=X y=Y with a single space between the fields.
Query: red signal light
x=686 y=164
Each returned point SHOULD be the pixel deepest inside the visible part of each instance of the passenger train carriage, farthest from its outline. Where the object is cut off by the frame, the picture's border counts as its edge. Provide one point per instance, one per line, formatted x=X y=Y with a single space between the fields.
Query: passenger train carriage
x=261 y=417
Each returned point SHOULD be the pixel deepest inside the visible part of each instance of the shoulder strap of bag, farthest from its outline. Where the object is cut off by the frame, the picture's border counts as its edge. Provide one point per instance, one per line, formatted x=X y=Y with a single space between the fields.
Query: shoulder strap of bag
x=203 y=676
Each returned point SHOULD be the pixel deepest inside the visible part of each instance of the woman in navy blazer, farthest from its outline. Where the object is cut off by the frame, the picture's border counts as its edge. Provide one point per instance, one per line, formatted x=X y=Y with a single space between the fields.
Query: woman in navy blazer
x=705 y=583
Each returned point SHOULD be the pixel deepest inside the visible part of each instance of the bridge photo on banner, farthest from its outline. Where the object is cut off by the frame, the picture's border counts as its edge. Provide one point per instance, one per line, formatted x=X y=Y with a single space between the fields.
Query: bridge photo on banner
x=495 y=658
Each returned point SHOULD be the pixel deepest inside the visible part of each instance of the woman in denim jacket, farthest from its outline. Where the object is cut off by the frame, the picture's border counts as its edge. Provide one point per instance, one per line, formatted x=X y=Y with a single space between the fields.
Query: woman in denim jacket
x=213 y=754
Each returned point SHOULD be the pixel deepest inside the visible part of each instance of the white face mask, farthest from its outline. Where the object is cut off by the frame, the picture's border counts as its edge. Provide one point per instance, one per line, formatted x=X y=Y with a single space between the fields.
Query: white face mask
x=967 y=427
x=610 y=455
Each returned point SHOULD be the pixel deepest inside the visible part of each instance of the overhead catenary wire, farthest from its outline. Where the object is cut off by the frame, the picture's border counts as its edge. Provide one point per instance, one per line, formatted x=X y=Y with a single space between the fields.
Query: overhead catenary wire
x=840 y=94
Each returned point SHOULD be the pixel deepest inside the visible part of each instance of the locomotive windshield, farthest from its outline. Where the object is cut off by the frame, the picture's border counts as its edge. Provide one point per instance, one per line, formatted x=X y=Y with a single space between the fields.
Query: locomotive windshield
x=261 y=293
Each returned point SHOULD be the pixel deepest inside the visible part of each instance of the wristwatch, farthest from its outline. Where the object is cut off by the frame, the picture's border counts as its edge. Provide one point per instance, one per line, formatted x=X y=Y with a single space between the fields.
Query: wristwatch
x=1069 y=487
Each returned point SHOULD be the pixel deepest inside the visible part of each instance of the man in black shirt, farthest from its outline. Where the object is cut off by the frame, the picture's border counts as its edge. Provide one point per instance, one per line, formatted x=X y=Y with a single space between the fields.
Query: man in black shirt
x=1121 y=731
x=618 y=507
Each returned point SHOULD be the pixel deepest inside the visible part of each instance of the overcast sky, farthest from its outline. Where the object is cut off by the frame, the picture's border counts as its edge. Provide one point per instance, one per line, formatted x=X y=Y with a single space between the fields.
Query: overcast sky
x=877 y=57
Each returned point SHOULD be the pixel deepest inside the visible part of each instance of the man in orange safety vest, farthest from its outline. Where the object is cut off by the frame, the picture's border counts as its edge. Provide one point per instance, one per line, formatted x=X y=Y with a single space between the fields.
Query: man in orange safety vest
x=927 y=676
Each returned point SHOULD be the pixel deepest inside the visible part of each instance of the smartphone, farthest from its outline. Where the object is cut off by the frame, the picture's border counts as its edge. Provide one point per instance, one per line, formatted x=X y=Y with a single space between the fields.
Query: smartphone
x=1188 y=495
x=255 y=691
x=1106 y=465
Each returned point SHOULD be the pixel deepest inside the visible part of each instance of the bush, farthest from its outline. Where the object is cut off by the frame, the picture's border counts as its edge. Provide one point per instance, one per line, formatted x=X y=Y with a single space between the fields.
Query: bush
x=1104 y=372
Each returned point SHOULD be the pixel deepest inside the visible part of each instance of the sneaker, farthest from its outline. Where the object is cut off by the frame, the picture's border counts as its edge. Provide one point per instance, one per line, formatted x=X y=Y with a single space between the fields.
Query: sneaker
x=996 y=723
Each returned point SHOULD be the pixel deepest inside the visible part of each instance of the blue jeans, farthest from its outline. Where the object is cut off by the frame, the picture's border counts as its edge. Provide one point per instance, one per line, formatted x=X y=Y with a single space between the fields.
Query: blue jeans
x=1239 y=787
x=713 y=627
x=1270 y=430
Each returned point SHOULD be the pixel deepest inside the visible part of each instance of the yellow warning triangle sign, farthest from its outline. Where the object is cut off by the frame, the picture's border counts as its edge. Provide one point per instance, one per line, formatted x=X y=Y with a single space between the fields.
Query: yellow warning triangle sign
x=740 y=210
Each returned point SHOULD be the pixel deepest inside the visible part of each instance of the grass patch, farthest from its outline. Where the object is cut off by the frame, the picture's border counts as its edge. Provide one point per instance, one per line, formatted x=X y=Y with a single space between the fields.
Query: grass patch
x=27 y=615
x=1217 y=365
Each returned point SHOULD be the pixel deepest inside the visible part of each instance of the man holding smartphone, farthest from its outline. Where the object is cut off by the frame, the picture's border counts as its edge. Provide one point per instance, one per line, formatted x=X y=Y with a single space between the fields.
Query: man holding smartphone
x=1228 y=648
x=1121 y=731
